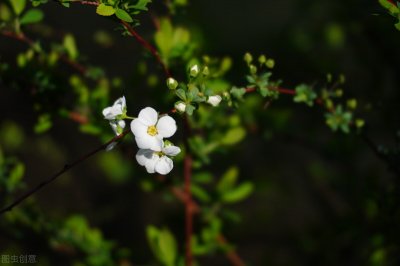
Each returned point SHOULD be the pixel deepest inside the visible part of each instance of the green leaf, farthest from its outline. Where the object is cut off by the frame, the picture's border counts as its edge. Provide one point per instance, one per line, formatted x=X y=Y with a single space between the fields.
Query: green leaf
x=142 y=5
x=44 y=123
x=104 y=10
x=32 y=16
x=18 y=6
x=123 y=15
x=392 y=8
x=181 y=94
x=5 y=13
x=189 y=109
x=163 y=245
x=15 y=177
x=70 y=46
x=239 y=193
x=238 y=92
x=200 y=193
x=167 y=245
x=233 y=136
x=228 y=180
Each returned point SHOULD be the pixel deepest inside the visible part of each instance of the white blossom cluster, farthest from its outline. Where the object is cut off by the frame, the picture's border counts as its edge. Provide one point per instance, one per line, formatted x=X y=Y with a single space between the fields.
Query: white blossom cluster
x=149 y=130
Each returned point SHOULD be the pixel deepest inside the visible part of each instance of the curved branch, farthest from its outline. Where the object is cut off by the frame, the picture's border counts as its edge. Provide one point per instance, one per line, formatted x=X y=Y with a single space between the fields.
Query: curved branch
x=62 y=171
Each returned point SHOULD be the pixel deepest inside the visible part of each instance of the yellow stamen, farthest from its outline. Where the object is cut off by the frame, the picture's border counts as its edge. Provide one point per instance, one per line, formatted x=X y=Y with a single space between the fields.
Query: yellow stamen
x=152 y=130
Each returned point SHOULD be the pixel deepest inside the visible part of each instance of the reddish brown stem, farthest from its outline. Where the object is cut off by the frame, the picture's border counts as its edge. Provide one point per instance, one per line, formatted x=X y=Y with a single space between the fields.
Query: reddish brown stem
x=62 y=171
x=231 y=254
x=187 y=172
x=146 y=45
x=20 y=37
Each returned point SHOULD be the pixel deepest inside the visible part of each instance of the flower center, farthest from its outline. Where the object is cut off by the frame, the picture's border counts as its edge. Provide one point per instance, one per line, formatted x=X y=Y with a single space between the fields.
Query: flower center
x=152 y=130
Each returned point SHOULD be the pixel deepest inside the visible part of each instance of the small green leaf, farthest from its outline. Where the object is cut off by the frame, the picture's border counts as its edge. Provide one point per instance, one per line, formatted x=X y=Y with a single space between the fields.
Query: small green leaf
x=15 y=177
x=123 y=15
x=70 y=46
x=142 y=5
x=32 y=16
x=228 y=180
x=5 y=12
x=200 y=193
x=104 y=10
x=238 y=92
x=181 y=94
x=44 y=123
x=189 y=109
x=233 y=136
x=18 y=6
x=167 y=245
x=239 y=193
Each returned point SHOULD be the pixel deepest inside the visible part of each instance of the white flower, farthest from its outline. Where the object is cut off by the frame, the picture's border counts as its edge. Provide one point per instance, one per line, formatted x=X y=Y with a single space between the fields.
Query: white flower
x=157 y=162
x=149 y=131
x=180 y=106
x=214 y=100
x=116 y=110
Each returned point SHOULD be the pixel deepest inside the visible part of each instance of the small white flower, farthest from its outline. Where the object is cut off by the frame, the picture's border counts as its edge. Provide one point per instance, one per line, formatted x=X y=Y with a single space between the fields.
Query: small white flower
x=116 y=110
x=214 y=100
x=149 y=131
x=158 y=162
x=180 y=106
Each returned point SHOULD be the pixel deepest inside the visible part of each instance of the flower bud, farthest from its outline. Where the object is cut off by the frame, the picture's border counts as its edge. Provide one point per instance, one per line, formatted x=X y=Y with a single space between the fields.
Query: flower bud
x=206 y=71
x=172 y=83
x=180 y=107
x=253 y=69
x=360 y=123
x=194 y=71
x=352 y=103
x=339 y=93
x=262 y=59
x=248 y=58
x=270 y=63
x=214 y=100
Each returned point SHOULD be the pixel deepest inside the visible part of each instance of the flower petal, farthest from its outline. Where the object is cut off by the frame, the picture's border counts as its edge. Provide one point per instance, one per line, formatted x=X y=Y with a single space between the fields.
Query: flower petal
x=149 y=142
x=151 y=163
x=143 y=155
x=148 y=116
x=138 y=128
x=107 y=113
x=166 y=126
x=121 y=123
x=164 y=165
x=171 y=150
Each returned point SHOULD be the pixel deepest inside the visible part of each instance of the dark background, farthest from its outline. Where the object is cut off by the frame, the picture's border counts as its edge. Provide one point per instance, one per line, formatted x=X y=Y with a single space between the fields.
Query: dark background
x=313 y=188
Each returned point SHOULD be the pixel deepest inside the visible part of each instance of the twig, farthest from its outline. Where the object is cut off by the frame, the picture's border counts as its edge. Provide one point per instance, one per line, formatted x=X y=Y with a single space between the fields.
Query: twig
x=62 y=171
x=231 y=254
x=23 y=38
x=188 y=201
x=146 y=45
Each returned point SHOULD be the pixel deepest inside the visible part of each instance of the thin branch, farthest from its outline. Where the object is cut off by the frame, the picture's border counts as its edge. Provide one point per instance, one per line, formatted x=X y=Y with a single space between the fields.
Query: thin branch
x=187 y=172
x=20 y=37
x=62 y=171
x=23 y=38
x=231 y=254
x=146 y=45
